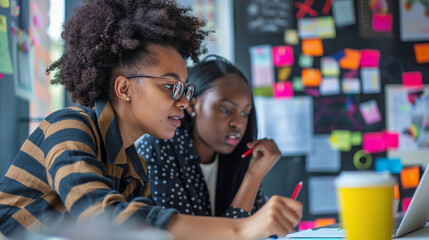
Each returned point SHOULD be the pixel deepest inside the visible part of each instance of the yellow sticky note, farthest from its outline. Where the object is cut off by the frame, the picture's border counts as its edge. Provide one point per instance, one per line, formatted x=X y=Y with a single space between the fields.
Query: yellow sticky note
x=291 y=37
x=3 y=23
x=4 y=3
x=410 y=177
x=312 y=47
x=283 y=73
x=422 y=52
x=341 y=140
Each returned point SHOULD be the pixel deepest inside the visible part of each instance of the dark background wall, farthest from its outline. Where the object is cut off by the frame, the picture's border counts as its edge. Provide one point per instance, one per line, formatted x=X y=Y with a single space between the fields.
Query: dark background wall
x=14 y=111
x=395 y=56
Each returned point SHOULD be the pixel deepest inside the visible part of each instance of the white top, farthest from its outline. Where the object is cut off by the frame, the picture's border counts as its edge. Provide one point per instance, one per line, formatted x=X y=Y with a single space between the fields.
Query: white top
x=209 y=171
x=353 y=179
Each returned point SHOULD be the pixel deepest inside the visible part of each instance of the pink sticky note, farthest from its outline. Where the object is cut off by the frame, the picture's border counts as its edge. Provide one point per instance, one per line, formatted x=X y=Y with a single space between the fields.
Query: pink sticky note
x=303 y=225
x=405 y=203
x=283 y=56
x=1 y=75
x=412 y=79
x=370 y=112
x=283 y=90
x=369 y=58
x=382 y=22
x=391 y=139
x=374 y=142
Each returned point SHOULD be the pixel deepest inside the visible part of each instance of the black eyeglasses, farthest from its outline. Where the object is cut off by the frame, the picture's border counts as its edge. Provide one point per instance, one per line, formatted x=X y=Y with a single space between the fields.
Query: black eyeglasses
x=177 y=89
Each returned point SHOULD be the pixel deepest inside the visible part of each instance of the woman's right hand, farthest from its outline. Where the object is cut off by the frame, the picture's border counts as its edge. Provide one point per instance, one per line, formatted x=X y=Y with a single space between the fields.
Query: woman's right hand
x=278 y=217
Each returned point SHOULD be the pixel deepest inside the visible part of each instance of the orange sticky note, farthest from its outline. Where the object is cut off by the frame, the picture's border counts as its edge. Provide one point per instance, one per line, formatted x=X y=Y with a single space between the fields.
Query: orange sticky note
x=396 y=192
x=311 y=77
x=351 y=59
x=410 y=177
x=320 y=222
x=422 y=52
x=312 y=47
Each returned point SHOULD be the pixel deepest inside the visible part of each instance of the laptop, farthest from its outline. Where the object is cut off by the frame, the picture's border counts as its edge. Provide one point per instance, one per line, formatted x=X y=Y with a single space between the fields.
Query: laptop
x=414 y=218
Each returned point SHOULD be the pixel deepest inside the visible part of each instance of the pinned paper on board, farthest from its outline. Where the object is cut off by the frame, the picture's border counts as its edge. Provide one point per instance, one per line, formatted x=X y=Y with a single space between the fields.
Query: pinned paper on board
x=321 y=27
x=344 y=12
x=351 y=59
x=312 y=47
x=421 y=50
x=414 y=20
x=312 y=91
x=408 y=115
x=323 y=158
x=283 y=90
x=288 y=121
x=375 y=18
x=370 y=112
x=370 y=80
x=283 y=56
x=305 y=61
x=410 y=177
x=337 y=112
x=329 y=86
x=311 y=77
x=330 y=67
x=262 y=65
x=351 y=85
x=322 y=195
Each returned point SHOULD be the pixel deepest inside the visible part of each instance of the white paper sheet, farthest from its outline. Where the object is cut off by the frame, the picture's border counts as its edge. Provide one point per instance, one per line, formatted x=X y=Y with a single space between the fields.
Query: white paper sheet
x=288 y=121
x=322 y=195
x=323 y=158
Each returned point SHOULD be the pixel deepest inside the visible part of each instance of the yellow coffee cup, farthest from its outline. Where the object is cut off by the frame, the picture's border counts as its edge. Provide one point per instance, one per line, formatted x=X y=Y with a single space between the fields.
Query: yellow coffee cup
x=365 y=201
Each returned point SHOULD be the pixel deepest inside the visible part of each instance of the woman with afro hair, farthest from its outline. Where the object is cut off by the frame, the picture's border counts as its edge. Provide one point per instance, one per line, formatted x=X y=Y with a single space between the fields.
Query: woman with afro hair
x=124 y=63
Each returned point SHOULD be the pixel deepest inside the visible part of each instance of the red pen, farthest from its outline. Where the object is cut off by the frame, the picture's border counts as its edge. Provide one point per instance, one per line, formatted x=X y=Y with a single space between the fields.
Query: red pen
x=246 y=153
x=296 y=191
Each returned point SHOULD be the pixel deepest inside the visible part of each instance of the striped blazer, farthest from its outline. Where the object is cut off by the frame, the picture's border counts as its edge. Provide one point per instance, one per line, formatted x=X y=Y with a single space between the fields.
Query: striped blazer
x=74 y=166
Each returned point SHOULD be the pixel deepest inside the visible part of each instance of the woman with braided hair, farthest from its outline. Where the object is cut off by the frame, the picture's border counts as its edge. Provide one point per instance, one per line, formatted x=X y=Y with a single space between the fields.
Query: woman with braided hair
x=124 y=62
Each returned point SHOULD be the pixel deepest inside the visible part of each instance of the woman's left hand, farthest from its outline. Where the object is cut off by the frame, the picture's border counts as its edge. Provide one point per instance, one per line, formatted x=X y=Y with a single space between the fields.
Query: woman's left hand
x=265 y=154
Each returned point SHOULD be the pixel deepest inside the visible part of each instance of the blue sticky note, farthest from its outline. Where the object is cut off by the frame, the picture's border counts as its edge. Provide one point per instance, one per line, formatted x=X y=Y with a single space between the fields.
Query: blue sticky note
x=382 y=164
x=395 y=165
x=338 y=55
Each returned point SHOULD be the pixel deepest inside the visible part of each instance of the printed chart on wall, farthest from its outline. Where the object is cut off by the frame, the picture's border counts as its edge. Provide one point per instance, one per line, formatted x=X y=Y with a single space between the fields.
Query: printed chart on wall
x=407 y=112
x=414 y=20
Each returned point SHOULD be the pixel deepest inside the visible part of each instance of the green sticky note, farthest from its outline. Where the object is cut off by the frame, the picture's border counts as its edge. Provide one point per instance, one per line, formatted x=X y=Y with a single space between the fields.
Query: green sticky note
x=356 y=138
x=297 y=84
x=263 y=91
x=5 y=60
x=341 y=140
x=5 y=3
x=305 y=61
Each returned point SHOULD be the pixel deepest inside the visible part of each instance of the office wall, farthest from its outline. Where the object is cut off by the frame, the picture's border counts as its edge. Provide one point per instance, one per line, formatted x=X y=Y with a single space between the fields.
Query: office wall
x=253 y=27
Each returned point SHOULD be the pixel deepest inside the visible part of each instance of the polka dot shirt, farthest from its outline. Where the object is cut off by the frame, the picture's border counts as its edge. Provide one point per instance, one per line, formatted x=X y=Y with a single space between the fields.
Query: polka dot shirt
x=175 y=176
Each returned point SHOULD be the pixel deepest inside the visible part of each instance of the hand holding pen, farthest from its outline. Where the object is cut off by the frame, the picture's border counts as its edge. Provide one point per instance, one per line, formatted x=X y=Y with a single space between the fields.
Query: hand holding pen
x=264 y=154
